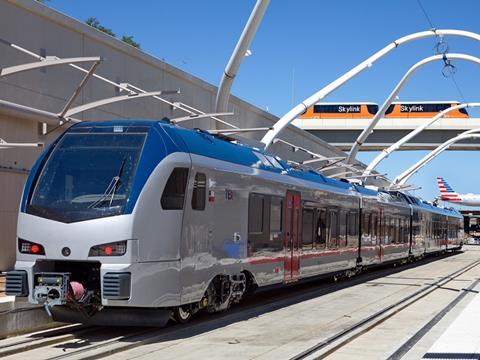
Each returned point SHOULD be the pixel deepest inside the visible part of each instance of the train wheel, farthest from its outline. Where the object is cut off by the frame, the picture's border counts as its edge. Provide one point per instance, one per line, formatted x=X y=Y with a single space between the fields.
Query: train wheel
x=182 y=314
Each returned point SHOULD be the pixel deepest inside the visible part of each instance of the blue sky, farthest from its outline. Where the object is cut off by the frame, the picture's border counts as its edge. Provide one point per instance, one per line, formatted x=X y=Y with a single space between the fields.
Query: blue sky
x=317 y=41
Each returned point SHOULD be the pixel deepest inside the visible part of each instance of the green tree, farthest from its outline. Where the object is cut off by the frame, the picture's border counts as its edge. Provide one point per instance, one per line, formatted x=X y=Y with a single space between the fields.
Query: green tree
x=129 y=40
x=93 y=22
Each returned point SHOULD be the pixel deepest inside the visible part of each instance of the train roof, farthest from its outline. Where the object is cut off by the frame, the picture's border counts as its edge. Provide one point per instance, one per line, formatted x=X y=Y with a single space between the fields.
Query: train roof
x=195 y=141
x=450 y=211
x=425 y=102
x=347 y=103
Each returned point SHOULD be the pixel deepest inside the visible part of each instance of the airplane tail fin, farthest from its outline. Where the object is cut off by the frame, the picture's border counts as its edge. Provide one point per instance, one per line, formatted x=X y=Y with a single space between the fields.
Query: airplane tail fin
x=446 y=191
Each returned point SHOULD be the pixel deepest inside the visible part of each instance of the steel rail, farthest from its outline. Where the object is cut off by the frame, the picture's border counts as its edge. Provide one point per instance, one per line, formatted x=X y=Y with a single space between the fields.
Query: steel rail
x=271 y=301
x=415 y=338
x=401 y=305
x=44 y=338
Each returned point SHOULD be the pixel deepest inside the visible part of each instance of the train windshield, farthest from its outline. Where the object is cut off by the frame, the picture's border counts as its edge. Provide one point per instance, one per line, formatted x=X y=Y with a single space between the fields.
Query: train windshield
x=87 y=176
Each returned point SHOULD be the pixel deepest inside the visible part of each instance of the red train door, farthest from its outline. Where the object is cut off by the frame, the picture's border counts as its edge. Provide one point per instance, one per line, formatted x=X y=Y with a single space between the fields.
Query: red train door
x=293 y=212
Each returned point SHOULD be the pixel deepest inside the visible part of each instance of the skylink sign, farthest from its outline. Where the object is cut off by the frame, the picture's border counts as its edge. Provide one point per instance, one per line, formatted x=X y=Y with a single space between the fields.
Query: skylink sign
x=349 y=109
x=411 y=108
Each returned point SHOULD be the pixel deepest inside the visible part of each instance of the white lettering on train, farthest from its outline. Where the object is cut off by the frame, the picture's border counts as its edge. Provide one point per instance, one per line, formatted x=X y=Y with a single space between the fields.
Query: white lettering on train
x=411 y=108
x=349 y=109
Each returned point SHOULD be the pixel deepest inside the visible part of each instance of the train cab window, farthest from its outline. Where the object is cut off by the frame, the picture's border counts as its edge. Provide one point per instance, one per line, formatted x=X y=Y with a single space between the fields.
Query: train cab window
x=307 y=228
x=372 y=108
x=199 y=192
x=321 y=229
x=255 y=214
x=174 y=193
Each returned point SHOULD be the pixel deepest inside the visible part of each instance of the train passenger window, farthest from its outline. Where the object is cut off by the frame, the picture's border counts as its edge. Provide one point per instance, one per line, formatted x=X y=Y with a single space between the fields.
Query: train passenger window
x=276 y=215
x=321 y=235
x=397 y=231
x=395 y=237
x=255 y=214
x=388 y=231
x=401 y=230
x=406 y=230
x=392 y=231
x=375 y=239
x=333 y=240
x=366 y=230
x=199 y=192
x=174 y=193
x=352 y=229
x=342 y=221
x=307 y=228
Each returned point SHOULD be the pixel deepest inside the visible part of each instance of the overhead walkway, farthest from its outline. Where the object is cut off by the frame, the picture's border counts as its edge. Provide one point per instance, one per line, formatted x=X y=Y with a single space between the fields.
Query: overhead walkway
x=341 y=133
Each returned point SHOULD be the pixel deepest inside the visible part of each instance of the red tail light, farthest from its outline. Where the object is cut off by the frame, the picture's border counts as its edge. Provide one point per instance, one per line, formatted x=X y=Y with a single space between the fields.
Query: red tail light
x=28 y=247
x=111 y=249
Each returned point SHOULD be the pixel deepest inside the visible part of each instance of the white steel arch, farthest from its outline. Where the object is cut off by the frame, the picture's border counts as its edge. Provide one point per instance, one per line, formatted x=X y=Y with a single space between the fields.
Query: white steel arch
x=286 y=119
x=403 y=177
x=381 y=112
x=223 y=93
x=386 y=152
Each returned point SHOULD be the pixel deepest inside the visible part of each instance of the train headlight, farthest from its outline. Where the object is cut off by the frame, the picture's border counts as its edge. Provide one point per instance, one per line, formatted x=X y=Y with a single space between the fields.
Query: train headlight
x=111 y=249
x=28 y=247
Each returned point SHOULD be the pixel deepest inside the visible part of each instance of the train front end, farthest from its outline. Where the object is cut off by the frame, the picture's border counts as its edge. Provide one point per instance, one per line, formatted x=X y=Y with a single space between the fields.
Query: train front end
x=77 y=247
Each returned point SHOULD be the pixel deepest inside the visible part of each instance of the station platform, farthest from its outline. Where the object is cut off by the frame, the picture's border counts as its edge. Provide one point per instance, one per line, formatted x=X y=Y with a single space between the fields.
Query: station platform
x=461 y=340
x=18 y=316
x=432 y=311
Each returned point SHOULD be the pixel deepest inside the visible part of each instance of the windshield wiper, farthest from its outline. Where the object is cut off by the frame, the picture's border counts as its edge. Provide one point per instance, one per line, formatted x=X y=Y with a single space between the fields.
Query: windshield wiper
x=111 y=188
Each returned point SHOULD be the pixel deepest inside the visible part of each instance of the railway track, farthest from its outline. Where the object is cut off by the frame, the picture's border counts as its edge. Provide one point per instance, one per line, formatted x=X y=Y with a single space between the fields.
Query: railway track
x=332 y=344
x=81 y=342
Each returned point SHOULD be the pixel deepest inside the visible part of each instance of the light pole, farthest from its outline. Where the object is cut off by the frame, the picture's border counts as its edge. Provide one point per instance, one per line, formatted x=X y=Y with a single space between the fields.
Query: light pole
x=299 y=109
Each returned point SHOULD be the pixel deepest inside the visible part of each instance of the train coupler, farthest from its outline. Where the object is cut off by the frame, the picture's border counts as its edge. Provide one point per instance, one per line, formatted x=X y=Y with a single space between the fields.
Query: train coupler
x=51 y=289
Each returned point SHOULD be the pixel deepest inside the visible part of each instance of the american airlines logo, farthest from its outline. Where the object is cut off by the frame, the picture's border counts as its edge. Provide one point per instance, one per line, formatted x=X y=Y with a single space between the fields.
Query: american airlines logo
x=411 y=108
x=349 y=109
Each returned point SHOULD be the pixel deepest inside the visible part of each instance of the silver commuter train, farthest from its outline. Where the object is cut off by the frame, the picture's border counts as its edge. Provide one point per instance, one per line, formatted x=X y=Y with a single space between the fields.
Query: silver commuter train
x=162 y=220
